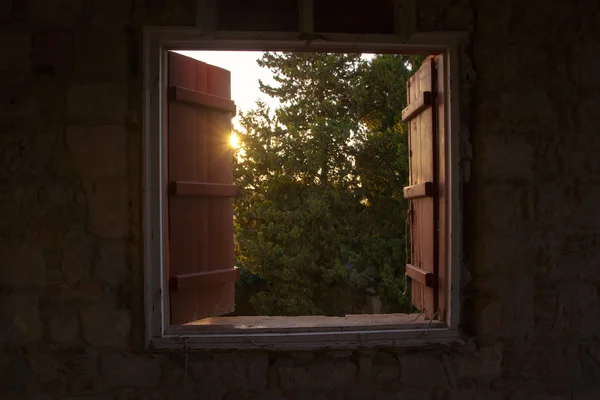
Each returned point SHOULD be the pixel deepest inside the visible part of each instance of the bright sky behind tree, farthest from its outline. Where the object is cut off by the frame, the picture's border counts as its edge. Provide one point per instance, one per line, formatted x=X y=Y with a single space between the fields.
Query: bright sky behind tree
x=245 y=74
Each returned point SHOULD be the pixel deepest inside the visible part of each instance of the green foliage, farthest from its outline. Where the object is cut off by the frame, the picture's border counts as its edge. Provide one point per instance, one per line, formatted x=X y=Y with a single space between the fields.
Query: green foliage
x=320 y=217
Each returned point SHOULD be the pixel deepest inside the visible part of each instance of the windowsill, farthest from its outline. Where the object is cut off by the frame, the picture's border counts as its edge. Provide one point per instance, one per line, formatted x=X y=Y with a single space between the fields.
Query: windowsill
x=310 y=323
x=307 y=333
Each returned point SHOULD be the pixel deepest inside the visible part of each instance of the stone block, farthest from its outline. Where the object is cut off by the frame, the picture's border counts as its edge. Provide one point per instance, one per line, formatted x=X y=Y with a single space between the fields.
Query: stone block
x=560 y=366
x=104 y=326
x=53 y=51
x=363 y=390
x=505 y=255
x=321 y=374
x=101 y=51
x=98 y=102
x=586 y=63
x=108 y=202
x=588 y=118
x=493 y=18
x=475 y=394
x=556 y=157
x=587 y=392
x=81 y=370
x=567 y=204
x=110 y=13
x=485 y=362
x=5 y=9
x=305 y=393
x=98 y=151
x=111 y=267
x=64 y=327
x=131 y=371
x=365 y=364
x=506 y=210
x=16 y=51
x=77 y=257
x=19 y=318
x=55 y=13
x=405 y=392
x=422 y=370
x=518 y=112
x=587 y=198
x=269 y=395
x=21 y=264
x=9 y=208
x=385 y=367
x=489 y=320
x=47 y=369
x=514 y=294
x=459 y=17
x=525 y=68
x=574 y=304
x=24 y=159
x=246 y=371
x=502 y=157
x=20 y=103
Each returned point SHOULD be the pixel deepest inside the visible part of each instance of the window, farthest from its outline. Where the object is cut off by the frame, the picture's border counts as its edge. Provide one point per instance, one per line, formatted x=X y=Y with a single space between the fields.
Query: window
x=187 y=282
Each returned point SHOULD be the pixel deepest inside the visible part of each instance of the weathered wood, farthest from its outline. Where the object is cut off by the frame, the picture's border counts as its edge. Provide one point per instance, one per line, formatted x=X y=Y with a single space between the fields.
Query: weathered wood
x=421 y=139
x=403 y=336
x=200 y=99
x=187 y=223
x=417 y=105
x=419 y=190
x=308 y=323
x=202 y=189
x=420 y=275
x=441 y=264
x=202 y=279
x=200 y=234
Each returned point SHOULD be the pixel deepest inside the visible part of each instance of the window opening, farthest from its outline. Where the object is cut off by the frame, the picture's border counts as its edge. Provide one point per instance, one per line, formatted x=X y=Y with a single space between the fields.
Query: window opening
x=328 y=218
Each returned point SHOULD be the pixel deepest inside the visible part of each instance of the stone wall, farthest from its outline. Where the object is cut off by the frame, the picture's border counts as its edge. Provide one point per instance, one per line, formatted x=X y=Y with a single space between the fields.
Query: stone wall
x=71 y=298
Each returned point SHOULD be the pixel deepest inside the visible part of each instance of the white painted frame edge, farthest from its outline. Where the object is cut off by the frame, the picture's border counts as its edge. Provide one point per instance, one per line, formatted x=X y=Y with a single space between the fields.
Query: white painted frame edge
x=159 y=40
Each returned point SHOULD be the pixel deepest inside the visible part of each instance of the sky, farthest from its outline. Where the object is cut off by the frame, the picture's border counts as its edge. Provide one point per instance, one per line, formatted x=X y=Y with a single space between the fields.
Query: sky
x=245 y=74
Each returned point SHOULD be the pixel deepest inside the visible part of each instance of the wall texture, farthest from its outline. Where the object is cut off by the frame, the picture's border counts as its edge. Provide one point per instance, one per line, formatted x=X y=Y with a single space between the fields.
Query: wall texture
x=71 y=301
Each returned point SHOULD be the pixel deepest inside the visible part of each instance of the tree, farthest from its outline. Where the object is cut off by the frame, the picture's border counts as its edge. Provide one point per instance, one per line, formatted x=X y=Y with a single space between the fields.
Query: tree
x=320 y=215
x=382 y=165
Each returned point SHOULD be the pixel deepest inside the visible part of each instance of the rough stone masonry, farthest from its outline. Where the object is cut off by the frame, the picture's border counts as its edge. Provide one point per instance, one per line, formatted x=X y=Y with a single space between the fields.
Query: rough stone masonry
x=71 y=272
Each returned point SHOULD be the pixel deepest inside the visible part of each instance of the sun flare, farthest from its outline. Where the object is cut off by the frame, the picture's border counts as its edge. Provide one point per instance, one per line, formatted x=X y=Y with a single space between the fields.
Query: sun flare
x=234 y=141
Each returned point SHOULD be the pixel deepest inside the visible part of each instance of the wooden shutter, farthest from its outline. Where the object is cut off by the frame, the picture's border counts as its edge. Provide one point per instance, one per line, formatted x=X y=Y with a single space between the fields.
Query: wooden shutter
x=426 y=192
x=200 y=201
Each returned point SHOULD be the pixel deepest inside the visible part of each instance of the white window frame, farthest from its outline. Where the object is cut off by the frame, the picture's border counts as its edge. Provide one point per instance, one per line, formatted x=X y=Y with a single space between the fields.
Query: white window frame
x=160 y=335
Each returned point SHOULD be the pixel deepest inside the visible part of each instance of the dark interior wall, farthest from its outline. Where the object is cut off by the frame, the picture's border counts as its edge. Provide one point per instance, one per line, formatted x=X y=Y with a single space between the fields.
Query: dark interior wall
x=71 y=305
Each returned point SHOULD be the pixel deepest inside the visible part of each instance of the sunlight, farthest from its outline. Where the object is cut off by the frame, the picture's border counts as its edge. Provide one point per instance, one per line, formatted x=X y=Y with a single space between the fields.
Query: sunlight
x=234 y=141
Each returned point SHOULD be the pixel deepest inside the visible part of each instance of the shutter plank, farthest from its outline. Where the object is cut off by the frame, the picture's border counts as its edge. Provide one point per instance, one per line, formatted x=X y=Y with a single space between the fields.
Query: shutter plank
x=186 y=218
x=202 y=279
x=193 y=230
x=441 y=264
x=200 y=99
x=419 y=275
x=421 y=149
x=220 y=171
x=419 y=190
x=418 y=104
x=203 y=189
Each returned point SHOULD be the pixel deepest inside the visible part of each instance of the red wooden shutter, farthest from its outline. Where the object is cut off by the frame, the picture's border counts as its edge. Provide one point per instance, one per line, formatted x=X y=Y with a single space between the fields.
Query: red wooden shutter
x=422 y=113
x=200 y=204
